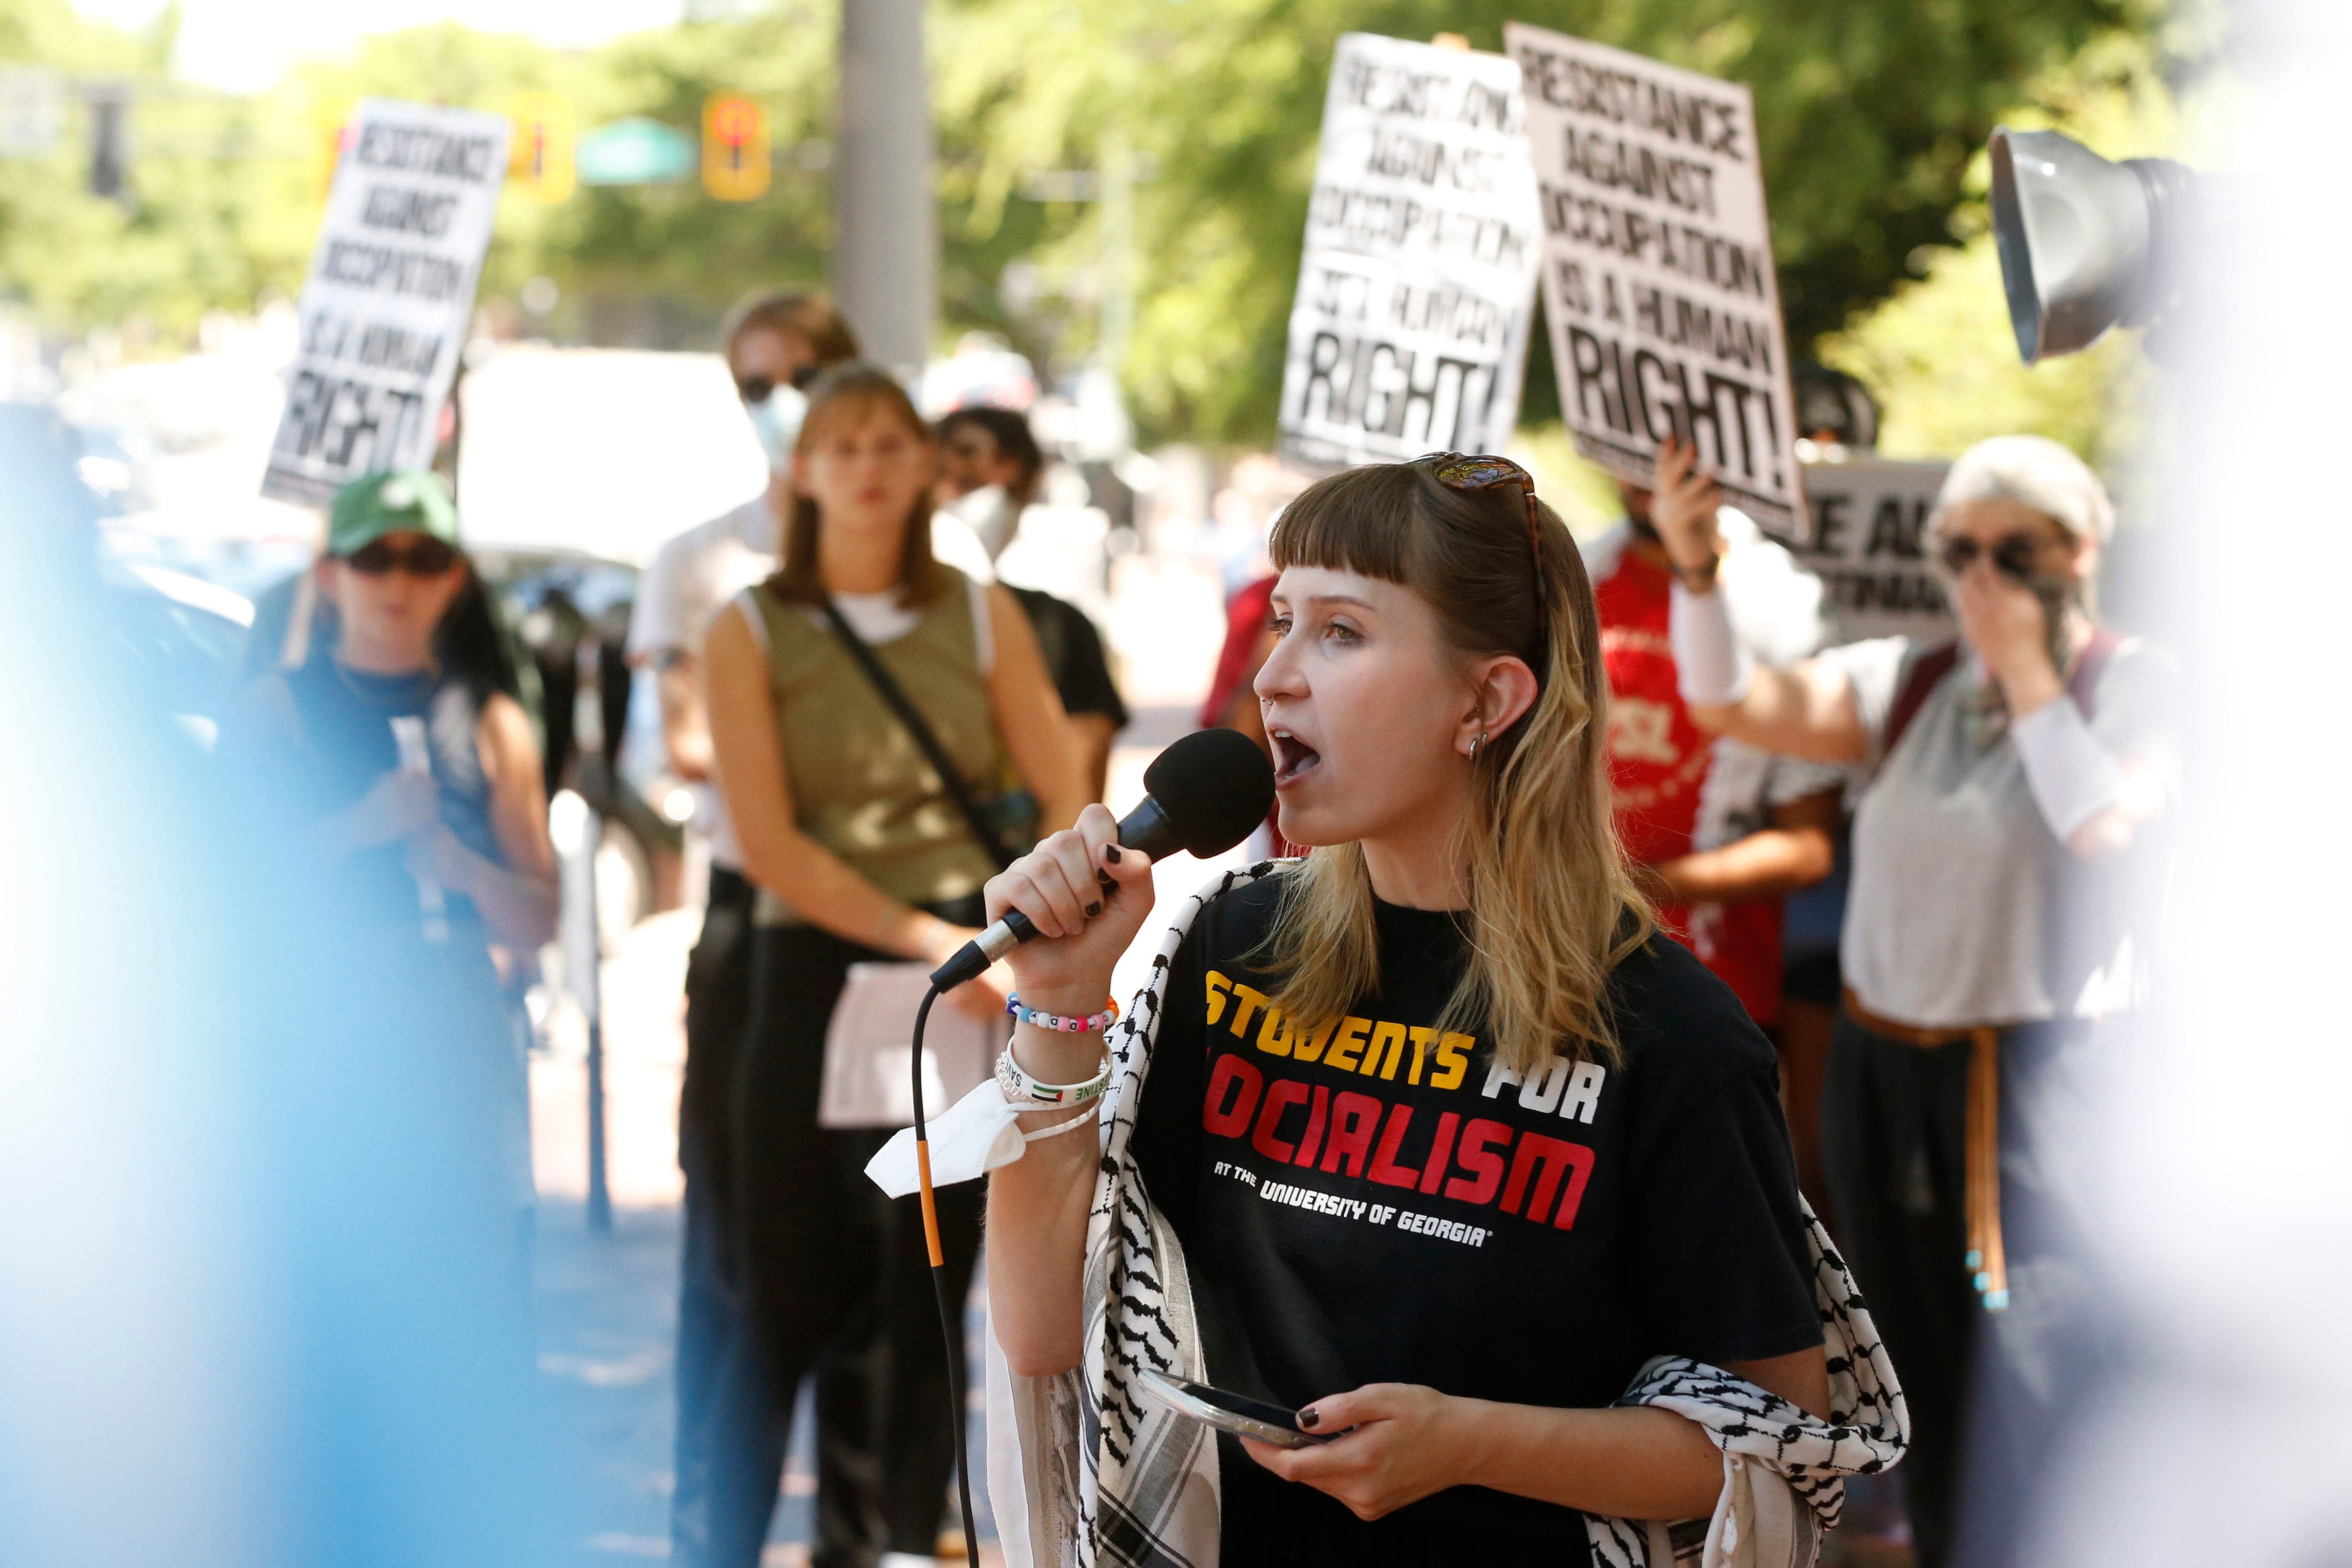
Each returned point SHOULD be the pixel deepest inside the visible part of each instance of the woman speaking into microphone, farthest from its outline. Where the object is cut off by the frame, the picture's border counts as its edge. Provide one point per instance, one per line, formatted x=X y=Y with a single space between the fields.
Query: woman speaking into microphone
x=1428 y=1137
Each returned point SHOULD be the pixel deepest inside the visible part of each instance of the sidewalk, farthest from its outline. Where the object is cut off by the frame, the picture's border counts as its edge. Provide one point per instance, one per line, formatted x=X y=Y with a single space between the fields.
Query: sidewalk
x=607 y=1305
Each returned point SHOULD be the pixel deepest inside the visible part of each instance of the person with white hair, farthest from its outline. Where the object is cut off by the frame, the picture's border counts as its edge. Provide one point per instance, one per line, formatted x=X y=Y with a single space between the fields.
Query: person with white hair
x=2001 y=848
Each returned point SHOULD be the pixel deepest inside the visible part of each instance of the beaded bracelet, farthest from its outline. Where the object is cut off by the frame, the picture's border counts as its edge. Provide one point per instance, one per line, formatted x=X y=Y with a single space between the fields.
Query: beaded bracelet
x=1060 y=1025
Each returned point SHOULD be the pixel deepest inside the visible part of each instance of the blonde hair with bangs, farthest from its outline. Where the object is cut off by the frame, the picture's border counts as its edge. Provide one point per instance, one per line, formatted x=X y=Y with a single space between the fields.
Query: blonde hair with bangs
x=1552 y=909
x=845 y=392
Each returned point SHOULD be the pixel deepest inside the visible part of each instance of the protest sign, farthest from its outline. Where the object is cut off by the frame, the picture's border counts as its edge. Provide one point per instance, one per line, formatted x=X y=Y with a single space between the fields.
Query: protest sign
x=1867 y=541
x=1408 y=333
x=1658 y=281
x=390 y=291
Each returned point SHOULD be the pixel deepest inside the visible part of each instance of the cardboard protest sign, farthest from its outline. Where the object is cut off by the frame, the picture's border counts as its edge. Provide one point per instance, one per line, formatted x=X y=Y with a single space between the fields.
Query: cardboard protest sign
x=1659 y=287
x=1408 y=332
x=386 y=309
x=1867 y=541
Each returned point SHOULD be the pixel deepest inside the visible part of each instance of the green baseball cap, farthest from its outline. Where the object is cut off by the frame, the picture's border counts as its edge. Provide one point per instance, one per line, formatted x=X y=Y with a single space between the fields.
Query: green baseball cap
x=411 y=501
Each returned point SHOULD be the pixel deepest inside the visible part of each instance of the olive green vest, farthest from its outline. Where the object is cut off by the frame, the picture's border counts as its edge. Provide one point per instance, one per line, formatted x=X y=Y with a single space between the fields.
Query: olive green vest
x=860 y=785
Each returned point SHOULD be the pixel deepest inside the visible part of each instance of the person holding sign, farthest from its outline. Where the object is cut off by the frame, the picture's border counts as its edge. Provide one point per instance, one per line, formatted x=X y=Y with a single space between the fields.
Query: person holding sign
x=1430 y=1141
x=1719 y=831
x=2001 y=852
x=886 y=735
x=464 y=812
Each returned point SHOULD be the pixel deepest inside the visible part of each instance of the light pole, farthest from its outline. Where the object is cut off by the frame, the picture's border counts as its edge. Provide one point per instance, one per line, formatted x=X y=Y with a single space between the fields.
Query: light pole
x=886 y=244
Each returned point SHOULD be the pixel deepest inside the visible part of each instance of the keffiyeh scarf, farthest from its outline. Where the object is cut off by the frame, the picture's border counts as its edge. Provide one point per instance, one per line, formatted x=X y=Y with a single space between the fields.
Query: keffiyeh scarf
x=1085 y=1471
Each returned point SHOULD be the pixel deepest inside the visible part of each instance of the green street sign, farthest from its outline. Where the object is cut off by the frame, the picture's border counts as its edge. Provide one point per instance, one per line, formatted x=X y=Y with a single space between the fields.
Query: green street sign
x=635 y=152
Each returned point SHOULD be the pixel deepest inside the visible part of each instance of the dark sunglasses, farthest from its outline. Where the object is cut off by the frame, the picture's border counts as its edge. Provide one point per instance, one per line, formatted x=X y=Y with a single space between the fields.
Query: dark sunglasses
x=2013 y=555
x=757 y=388
x=1458 y=471
x=381 y=558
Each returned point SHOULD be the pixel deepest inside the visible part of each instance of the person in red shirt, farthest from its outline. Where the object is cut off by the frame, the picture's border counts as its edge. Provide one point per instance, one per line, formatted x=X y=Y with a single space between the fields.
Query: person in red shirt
x=1719 y=836
x=1232 y=705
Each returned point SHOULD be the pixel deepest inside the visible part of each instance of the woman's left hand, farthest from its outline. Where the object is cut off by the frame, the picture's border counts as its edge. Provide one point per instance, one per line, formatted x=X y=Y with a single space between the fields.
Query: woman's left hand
x=1407 y=1441
x=436 y=854
x=2003 y=621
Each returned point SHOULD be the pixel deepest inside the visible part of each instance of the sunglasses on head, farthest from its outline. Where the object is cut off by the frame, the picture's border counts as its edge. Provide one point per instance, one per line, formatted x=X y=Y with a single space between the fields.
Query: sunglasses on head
x=757 y=388
x=1470 y=472
x=2013 y=554
x=381 y=557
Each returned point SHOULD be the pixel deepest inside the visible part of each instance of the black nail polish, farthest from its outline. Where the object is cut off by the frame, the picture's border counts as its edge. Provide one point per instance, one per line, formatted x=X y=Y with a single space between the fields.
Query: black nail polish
x=1307 y=1418
x=1094 y=909
x=1111 y=853
x=1104 y=881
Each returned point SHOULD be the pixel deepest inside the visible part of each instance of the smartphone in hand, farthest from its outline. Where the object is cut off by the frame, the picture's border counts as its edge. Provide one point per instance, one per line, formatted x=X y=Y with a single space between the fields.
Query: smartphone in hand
x=1234 y=1413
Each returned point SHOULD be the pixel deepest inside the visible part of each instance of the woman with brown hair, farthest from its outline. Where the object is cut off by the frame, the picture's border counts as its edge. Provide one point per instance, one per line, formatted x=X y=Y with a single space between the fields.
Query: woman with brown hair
x=862 y=851
x=1442 y=1144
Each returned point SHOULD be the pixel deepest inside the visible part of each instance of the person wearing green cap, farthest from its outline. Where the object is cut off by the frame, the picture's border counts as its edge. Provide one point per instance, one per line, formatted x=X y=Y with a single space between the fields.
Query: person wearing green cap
x=293 y=624
x=420 y=786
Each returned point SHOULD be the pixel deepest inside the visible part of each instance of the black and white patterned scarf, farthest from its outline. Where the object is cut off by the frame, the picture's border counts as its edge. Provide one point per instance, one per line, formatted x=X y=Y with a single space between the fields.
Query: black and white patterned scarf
x=1085 y=1472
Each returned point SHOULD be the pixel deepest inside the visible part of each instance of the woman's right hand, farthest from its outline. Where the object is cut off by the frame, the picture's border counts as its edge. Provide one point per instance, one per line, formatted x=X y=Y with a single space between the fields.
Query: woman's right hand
x=1683 y=502
x=1083 y=926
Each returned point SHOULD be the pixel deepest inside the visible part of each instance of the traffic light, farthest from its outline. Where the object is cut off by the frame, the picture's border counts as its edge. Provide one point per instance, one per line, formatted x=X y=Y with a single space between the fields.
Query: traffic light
x=734 y=147
x=539 y=161
x=110 y=140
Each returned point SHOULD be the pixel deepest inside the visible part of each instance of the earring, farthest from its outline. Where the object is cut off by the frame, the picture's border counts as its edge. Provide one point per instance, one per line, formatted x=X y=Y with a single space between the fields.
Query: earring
x=1474 y=745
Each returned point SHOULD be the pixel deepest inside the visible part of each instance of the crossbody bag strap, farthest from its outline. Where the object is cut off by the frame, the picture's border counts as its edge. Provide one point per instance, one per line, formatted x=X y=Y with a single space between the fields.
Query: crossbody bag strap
x=1927 y=669
x=893 y=695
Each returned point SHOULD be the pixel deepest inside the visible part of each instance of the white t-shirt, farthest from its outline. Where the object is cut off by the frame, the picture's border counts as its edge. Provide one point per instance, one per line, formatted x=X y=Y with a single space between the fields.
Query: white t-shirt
x=879 y=618
x=695 y=573
x=691 y=578
x=1965 y=907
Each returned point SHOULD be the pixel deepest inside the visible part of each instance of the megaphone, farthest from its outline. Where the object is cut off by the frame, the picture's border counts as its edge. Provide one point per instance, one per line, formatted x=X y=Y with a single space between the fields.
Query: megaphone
x=2085 y=244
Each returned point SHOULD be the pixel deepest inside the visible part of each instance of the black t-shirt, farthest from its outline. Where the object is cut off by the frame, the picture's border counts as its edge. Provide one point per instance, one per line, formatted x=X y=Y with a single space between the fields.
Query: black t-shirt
x=1072 y=653
x=1384 y=1205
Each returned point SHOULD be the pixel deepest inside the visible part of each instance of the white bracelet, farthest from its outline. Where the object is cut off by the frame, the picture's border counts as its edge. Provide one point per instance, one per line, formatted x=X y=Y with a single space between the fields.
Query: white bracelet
x=1711 y=669
x=1083 y=1119
x=1019 y=1086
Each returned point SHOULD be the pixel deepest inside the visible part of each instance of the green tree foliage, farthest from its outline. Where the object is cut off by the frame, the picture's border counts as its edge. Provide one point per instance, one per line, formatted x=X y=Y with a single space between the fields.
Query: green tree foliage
x=1869 y=111
x=1939 y=351
x=1868 y=115
x=611 y=245
x=185 y=239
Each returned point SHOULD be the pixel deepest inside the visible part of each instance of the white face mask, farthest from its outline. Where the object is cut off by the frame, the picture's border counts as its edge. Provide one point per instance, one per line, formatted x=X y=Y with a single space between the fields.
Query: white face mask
x=776 y=420
x=988 y=511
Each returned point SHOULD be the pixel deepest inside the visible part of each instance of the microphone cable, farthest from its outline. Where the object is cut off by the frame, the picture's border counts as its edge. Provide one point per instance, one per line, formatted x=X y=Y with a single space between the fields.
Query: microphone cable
x=951 y=1327
x=1204 y=794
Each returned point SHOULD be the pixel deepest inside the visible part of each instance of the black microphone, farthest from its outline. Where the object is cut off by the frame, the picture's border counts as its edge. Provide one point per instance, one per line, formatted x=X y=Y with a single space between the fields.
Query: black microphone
x=1203 y=795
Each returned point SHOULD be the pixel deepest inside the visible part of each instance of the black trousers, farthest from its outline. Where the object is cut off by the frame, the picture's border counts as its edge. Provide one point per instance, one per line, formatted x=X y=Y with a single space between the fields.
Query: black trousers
x=1978 y=1383
x=832 y=1270
x=728 y=1454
